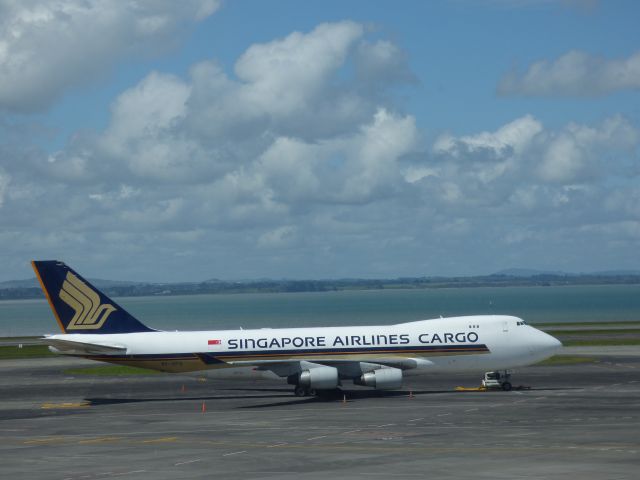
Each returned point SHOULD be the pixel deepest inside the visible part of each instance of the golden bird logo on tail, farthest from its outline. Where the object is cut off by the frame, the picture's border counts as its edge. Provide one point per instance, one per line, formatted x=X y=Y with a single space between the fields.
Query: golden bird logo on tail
x=90 y=314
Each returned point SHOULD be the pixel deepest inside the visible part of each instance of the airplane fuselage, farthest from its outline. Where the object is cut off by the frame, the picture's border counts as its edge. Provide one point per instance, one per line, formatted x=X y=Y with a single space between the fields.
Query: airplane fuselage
x=471 y=343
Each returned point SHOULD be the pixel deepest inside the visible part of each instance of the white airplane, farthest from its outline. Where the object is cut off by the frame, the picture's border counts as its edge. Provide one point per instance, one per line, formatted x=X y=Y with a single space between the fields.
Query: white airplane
x=312 y=359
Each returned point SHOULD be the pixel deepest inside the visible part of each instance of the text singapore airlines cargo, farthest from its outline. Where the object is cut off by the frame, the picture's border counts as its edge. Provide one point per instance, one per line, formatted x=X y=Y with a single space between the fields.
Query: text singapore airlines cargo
x=312 y=359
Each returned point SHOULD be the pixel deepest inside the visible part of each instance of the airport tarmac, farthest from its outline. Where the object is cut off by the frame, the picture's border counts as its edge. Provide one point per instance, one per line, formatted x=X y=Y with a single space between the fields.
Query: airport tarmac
x=579 y=421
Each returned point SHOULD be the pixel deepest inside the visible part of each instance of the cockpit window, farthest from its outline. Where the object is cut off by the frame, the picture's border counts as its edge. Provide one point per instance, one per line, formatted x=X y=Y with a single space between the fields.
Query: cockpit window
x=520 y=323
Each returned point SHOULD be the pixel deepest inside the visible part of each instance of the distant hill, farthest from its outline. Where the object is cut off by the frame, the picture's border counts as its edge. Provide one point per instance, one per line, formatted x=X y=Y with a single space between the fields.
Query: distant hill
x=514 y=277
x=101 y=283
x=29 y=283
x=530 y=272
x=33 y=283
x=616 y=273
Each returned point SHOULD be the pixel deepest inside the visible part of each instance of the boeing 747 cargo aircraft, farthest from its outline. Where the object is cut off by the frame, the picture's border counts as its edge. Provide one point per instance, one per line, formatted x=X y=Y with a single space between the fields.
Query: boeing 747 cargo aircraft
x=312 y=359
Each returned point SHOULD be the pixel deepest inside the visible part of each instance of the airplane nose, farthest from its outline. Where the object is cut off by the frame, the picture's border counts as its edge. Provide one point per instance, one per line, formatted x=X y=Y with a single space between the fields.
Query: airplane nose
x=546 y=344
x=553 y=343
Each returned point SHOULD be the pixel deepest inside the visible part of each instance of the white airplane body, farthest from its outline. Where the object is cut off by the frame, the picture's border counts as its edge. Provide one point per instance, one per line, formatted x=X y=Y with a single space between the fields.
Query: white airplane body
x=318 y=358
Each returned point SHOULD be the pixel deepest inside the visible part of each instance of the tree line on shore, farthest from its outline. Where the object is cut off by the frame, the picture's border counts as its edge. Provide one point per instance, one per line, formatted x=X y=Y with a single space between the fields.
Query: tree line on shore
x=123 y=289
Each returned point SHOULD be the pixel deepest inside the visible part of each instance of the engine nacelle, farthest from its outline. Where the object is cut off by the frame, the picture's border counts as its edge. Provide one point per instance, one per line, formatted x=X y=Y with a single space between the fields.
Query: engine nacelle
x=321 y=378
x=381 y=379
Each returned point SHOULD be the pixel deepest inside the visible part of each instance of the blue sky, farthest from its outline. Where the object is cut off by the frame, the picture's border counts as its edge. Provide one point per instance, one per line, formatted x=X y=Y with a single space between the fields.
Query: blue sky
x=172 y=141
x=458 y=51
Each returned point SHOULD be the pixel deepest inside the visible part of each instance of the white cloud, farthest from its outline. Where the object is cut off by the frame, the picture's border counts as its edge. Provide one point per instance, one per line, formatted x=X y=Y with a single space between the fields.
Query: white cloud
x=46 y=47
x=358 y=168
x=292 y=87
x=524 y=168
x=575 y=73
x=145 y=131
x=515 y=136
x=578 y=151
x=483 y=167
x=381 y=143
x=156 y=104
x=284 y=76
x=290 y=123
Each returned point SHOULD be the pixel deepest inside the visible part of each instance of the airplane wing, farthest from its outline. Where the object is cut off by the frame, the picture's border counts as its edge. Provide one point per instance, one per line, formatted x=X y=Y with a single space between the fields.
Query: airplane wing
x=83 y=348
x=347 y=368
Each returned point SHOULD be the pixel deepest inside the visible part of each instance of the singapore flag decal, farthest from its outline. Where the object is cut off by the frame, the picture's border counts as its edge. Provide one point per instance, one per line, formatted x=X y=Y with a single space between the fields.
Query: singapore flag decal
x=214 y=342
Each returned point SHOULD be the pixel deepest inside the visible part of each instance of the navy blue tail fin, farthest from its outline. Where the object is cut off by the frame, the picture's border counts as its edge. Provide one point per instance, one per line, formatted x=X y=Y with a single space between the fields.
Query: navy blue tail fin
x=80 y=307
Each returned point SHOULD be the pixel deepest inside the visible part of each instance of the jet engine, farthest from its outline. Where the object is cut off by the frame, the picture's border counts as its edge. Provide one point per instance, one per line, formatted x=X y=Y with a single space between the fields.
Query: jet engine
x=381 y=379
x=320 y=378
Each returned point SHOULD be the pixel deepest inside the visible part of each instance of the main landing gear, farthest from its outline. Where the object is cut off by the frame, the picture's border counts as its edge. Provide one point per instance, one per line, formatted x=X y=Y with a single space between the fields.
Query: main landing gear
x=300 y=391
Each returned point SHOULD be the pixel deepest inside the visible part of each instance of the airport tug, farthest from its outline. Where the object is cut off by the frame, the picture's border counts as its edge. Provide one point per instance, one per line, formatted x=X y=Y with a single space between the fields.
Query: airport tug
x=497 y=380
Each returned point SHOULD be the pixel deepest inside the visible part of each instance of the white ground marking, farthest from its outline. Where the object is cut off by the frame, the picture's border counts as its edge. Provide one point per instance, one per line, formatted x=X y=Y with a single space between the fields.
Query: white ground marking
x=187 y=462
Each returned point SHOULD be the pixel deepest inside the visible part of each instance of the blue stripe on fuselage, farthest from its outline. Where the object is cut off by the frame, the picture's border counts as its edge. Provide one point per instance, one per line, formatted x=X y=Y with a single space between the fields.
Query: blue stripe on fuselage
x=355 y=350
x=216 y=357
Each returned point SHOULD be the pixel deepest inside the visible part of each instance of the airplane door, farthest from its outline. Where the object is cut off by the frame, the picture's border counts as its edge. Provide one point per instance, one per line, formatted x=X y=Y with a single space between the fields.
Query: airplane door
x=505 y=326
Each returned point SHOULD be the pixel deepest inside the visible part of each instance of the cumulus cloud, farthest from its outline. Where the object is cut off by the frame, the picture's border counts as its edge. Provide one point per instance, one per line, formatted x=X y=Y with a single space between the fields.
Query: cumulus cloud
x=46 y=47
x=280 y=121
x=358 y=168
x=514 y=136
x=293 y=86
x=282 y=76
x=526 y=165
x=580 y=150
x=575 y=73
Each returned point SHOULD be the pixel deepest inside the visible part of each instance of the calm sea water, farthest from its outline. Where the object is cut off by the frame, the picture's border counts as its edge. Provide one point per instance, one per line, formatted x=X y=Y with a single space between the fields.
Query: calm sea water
x=210 y=312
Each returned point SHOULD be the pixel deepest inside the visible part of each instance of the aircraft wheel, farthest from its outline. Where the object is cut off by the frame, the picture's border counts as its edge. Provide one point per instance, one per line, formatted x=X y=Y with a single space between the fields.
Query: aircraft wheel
x=506 y=386
x=310 y=392
x=299 y=391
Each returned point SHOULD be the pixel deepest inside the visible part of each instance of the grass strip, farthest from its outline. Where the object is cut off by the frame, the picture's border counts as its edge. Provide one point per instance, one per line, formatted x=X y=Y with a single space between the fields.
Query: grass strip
x=111 y=371
x=566 y=360
x=585 y=324
x=20 y=339
x=27 y=351
x=601 y=342
x=621 y=331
